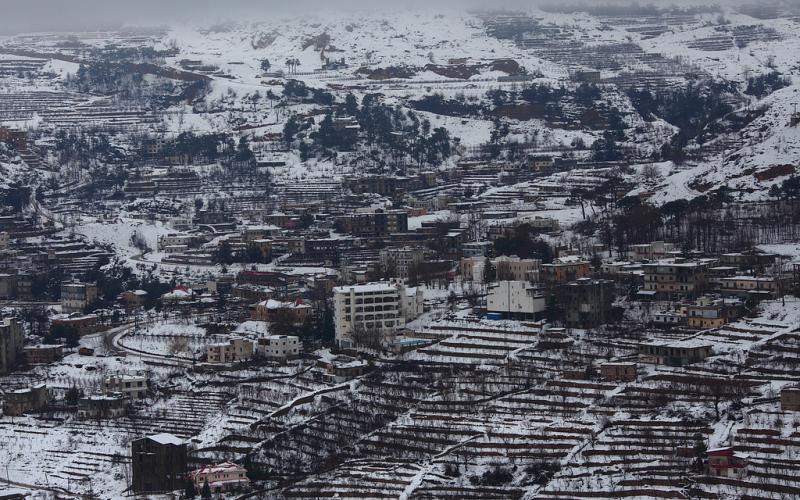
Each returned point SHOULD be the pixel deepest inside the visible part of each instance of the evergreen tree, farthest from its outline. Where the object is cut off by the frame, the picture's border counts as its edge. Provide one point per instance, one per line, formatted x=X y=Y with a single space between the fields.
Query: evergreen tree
x=243 y=151
x=206 y=493
x=73 y=395
x=351 y=105
x=191 y=490
x=489 y=271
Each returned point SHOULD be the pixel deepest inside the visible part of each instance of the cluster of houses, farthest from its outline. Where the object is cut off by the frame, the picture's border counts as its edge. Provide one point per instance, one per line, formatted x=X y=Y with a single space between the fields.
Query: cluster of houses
x=238 y=349
x=114 y=399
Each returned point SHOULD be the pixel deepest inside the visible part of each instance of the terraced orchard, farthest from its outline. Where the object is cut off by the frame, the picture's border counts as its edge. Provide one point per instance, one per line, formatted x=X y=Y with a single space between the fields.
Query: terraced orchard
x=532 y=419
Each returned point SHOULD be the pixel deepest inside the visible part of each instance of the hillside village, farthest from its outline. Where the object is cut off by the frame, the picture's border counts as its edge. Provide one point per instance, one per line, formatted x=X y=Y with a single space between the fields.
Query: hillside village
x=549 y=254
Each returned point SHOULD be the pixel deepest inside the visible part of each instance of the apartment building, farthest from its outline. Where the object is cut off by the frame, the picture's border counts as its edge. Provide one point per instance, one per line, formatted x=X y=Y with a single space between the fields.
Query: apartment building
x=12 y=340
x=517 y=269
x=565 y=269
x=757 y=287
x=381 y=307
x=677 y=277
x=236 y=349
x=586 y=302
x=515 y=299
x=373 y=224
x=76 y=296
x=402 y=262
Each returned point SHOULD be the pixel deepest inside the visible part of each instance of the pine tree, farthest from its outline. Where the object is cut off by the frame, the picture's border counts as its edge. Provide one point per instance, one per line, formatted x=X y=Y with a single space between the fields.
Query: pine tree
x=206 y=493
x=191 y=490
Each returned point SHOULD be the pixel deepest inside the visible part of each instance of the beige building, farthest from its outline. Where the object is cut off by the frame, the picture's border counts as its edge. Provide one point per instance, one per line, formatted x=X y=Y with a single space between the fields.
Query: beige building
x=76 y=296
x=675 y=277
x=565 y=269
x=516 y=269
x=749 y=286
x=708 y=313
x=237 y=349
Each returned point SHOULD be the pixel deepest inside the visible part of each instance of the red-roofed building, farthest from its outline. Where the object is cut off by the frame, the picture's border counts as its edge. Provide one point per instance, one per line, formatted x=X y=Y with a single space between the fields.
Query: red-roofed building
x=725 y=462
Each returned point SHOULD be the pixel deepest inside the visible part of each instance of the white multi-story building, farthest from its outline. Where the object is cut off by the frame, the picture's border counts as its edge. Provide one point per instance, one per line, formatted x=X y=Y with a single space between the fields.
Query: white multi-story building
x=515 y=299
x=133 y=387
x=279 y=346
x=374 y=307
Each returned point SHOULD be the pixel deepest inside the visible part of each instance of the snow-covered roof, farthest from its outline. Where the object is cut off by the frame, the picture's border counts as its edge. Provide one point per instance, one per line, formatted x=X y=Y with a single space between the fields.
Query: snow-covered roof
x=177 y=293
x=215 y=469
x=367 y=288
x=165 y=438
x=568 y=259
x=680 y=344
x=277 y=304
